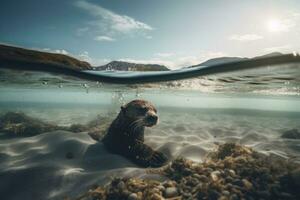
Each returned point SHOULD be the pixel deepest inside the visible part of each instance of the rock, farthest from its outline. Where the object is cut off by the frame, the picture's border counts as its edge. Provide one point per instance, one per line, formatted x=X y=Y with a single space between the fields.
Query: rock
x=121 y=185
x=285 y=195
x=215 y=175
x=133 y=196
x=156 y=196
x=238 y=182
x=161 y=188
x=209 y=170
x=69 y=155
x=186 y=172
x=169 y=184
x=244 y=174
x=229 y=179
x=213 y=195
x=171 y=192
x=264 y=194
x=125 y=192
x=197 y=176
x=248 y=185
x=140 y=195
x=295 y=176
x=234 y=197
x=226 y=193
x=203 y=178
x=231 y=172
x=76 y=128
x=222 y=198
x=291 y=134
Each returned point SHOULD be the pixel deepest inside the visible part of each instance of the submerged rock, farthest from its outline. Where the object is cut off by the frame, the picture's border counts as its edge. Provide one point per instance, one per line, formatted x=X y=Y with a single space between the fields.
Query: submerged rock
x=295 y=176
x=171 y=192
x=17 y=124
x=230 y=150
x=291 y=134
x=69 y=155
x=133 y=196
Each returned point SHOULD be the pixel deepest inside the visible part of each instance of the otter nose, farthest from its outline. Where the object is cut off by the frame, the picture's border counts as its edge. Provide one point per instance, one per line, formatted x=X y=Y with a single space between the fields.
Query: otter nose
x=152 y=118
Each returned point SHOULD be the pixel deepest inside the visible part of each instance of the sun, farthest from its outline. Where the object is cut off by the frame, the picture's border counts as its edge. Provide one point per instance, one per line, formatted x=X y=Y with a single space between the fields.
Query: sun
x=274 y=25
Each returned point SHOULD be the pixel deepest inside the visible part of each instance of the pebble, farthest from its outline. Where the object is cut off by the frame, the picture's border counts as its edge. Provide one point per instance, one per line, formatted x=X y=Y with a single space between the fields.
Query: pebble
x=238 y=182
x=229 y=179
x=121 y=185
x=161 y=188
x=168 y=184
x=247 y=184
x=203 y=178
x=226 y=193
x=209 y=170
x=213 y=182
x=231 y=172
x=187 y=172
x=264 y=194
x=197 y=176
x=156 y=196
x=133 y=196
x=222 y=198
x=213 y=195
x=215 y=175
x=171 y=192
x=234 y=197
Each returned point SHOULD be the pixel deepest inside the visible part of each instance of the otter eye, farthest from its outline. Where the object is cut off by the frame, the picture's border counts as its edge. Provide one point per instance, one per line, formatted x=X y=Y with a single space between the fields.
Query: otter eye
x=143 y=110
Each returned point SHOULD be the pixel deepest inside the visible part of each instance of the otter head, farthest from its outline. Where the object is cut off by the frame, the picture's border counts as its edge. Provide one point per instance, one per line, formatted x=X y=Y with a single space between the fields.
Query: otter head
x=140 y=112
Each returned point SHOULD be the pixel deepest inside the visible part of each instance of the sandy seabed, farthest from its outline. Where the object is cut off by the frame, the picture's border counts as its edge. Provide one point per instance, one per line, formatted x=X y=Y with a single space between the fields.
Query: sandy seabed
x=56 y=164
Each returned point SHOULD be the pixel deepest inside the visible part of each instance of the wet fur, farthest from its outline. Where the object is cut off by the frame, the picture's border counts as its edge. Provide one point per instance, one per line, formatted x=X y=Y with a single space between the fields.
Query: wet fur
x=125 y=136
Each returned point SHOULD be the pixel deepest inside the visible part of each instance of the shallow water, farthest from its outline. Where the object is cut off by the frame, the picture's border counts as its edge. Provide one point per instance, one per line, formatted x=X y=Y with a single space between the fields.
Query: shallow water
x=192 y=121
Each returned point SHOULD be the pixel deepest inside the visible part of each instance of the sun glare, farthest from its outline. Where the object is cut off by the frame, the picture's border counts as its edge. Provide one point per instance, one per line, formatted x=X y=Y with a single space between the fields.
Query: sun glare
x=274 y=25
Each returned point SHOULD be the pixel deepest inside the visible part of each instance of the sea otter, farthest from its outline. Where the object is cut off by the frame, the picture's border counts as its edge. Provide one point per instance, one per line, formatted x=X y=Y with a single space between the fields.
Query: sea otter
x=125 y=135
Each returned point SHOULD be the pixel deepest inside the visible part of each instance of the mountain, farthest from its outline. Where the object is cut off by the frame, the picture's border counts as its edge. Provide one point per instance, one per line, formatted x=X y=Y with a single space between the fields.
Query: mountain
x=16 y=56
x=221 y=60
x=270 y=55
x=10 y=54
x=126 y=66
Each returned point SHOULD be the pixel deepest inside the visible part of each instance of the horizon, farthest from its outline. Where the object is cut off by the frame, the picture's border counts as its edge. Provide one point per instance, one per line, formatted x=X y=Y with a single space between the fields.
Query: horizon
x=173 y=34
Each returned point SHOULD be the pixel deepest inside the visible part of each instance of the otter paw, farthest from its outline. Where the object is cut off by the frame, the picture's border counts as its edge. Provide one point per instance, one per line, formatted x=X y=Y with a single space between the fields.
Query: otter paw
x=157 y=159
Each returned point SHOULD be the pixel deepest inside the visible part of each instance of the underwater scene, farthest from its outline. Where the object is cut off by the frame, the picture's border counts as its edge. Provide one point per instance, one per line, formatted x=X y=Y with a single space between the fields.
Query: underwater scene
x=149 y=100
x=229 y=136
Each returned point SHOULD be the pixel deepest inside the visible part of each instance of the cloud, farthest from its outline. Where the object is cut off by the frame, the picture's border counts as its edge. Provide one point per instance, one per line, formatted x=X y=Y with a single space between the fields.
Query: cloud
x=104 y=38
x=283 y=48
x=164 y=54
x=112 y=23
x=82 y=30
x=59 y=51
x=84 y=56
x=246 y=37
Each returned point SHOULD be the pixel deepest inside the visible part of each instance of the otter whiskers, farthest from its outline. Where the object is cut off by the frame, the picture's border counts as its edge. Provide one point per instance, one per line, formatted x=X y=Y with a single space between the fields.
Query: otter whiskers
x=137 y=124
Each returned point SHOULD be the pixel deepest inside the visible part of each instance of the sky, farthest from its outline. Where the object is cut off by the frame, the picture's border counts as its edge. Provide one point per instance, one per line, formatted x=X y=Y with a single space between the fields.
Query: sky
x=175 y=33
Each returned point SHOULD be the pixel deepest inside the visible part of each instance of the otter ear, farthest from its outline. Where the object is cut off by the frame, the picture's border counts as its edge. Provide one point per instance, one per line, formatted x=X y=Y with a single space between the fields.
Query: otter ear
x=122 y=108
